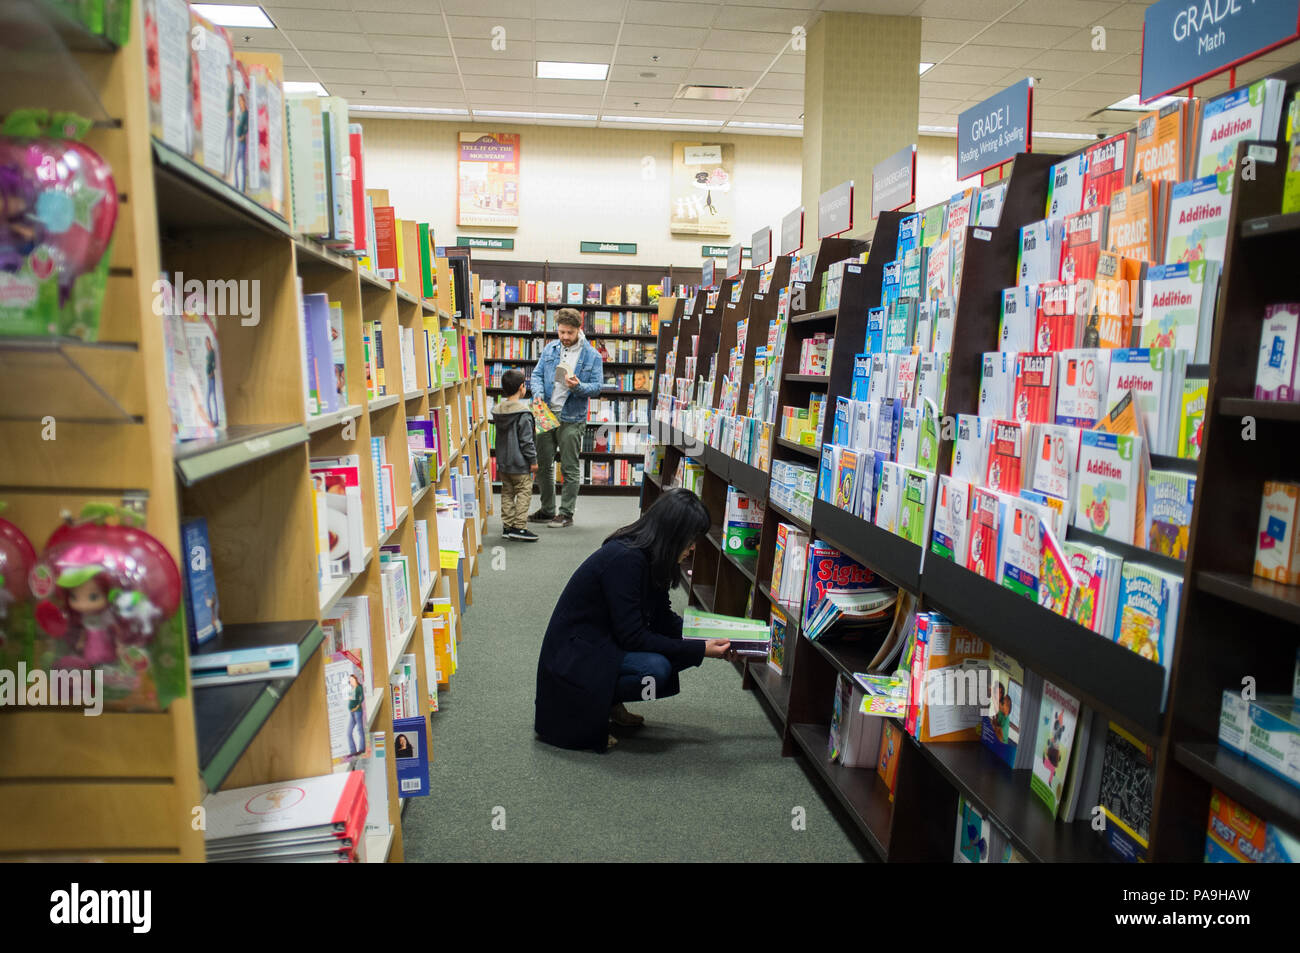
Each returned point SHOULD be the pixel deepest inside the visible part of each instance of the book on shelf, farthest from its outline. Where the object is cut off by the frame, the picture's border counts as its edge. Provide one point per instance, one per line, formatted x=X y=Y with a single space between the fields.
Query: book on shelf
x=411 y=756
x=1127 y=791
x=1008 y=727
x=1109 y=169
x=375 y=770
x=1058 y=715
x=1277 y=547
x=747 y=636
x=321 y=819
x=195 y=387
x=227 y=661
x=1245 y=113
x=308 y=192
x=1277 y=372
x=345 y=699
x=1161 y=143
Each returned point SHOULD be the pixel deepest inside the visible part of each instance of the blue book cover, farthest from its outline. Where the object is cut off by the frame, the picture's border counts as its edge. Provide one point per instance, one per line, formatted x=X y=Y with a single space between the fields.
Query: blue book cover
x=829 y=570
x=898 y=326
x=843 y=420
x=321 y=355
x=825 y=485
x=512 y=293
x=861 y=376
x=411 y=756
x=887 y=426
x=909 y=228
x=875 y=342
x=202 y=610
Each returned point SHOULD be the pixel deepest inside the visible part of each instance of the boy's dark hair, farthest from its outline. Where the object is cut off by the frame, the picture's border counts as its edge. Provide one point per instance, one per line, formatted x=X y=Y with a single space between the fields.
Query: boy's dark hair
x=569 y=316
x=511 y=381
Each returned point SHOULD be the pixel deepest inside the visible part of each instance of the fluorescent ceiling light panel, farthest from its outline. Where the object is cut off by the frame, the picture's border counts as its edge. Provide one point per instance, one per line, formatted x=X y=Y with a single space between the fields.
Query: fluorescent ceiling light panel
x=924 y=67
x=1063 y=135
x=294 y=86
x=716 y=93
x=500 y=114
x=938 y=130
x=551 y=70
x=662 y=121
x=765 y=125
x=412 y=110
x=232 y=14
x=1132 y=104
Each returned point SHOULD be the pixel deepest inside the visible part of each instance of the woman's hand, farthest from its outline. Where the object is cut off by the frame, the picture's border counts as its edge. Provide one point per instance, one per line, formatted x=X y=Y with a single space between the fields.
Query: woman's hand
x=717 y=648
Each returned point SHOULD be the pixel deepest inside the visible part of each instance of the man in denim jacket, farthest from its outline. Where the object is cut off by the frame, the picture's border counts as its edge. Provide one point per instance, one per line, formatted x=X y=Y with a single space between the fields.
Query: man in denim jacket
x=566 y=375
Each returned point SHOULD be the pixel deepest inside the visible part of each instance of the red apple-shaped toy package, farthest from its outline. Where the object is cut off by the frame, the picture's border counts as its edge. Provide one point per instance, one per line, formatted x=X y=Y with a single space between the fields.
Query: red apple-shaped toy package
x=17 y=557
x=108 y=597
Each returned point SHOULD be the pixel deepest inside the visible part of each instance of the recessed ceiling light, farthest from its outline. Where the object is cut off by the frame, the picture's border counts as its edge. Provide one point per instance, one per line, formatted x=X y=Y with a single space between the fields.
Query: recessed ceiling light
x=765 y=125
x=649 y=75
x=715 y=93
x=1133 y=103
x=408 y=110
x=924 y=67
x=938 y=130
x=505 y=114
x=1063 y=135
x=296 y=87
x=678 y=121
x=232 y=14
x=550 y=70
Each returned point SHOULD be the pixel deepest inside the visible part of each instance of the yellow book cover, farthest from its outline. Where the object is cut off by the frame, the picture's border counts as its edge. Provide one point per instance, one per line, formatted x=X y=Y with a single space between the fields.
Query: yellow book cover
x=1131 y=233
x=1161 y=142
x=398 y=229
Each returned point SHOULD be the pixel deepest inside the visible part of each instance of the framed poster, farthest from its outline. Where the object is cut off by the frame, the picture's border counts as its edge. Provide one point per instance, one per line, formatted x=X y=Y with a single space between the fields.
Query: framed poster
x=488 y=165
x=703 y=201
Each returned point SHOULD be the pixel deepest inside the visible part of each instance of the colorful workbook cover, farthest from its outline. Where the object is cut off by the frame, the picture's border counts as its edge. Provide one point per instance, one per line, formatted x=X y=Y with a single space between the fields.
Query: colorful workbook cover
x=1057 y=716
x=1000 y=726
x=1147 y=602
x=1170 y=495
x=1108 y=485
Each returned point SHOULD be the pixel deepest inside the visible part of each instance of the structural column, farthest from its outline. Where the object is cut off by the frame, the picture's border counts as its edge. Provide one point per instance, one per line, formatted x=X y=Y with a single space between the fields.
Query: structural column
x=861 y=104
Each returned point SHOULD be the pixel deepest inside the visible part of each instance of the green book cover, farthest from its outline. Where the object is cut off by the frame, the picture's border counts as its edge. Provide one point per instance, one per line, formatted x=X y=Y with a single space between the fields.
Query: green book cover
x=927 y=446
x=1291 y=184
x=1192 y=417
x=449 y=357
x=915 y=503
x=428 y=281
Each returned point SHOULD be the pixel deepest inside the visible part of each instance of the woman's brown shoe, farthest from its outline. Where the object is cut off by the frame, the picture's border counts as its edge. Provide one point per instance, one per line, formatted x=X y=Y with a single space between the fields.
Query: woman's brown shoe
x=619 y=715
x=612 y=741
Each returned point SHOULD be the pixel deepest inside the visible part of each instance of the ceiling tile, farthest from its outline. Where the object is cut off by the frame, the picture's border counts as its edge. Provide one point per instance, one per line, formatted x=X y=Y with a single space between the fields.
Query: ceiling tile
x=331 y=21
x=975 y=55
x=472 y=66
x=478 y=28
x=515 y=83
x=721 y=77
x=791 y=61
x=649 y=105
x=355 y=77
x=1041 y=35
x=1116 y=41
x=401 y=43
x=373 y=94
x=632 y=74
x=485 y=8
x=426 y=80
x=946 y=73
x=575 y=52
x=983 y=10
x=949 y=31
x=1073 y=60
x=1073 y=13
x=1117 y=87
x=273 y=7
x=933 y=90
x=320 y=40
x=641 y=55
x=398 y=62
x=340 y=60
x=1091 y=99
x=366 y=7
x=782 y=81
x=481 y=48
x=755 y=110
x=570 y=31
x=658 y=13
x=765 y=19
x=932 y=52
x=583 y=10
x=266 y=40
x=450 y=97
x=402 y=23
x=893 y=8
x=1060 y=112
x=789 y=97
x=500 y=98
x=560 y=101
x=1126 y=16
x=744 y=41
x=578 y=87
x=643 y=90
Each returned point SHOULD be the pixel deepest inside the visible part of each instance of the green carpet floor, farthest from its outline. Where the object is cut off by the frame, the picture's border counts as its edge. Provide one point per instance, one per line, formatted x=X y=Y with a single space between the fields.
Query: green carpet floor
x=704 y=780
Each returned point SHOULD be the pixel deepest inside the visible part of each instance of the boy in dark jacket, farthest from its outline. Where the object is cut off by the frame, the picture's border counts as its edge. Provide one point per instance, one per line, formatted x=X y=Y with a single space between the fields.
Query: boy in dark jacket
x=516 y=456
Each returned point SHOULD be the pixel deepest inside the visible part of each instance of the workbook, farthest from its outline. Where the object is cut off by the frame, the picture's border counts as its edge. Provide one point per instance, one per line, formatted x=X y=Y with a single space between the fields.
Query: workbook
x=1058 y=714
x=747 y=636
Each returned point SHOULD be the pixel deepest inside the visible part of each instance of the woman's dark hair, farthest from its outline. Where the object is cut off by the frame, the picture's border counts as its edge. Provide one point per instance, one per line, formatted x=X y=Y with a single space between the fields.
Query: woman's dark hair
x=673 y=522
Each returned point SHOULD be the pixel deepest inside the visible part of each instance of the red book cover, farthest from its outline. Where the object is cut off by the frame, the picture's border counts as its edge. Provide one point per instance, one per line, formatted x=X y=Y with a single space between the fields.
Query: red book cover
x=1108 y=169
x=1035 y=388
x=385 y=239
x=1085 y=233
x=358 y=194
x=1056 y=325
x=1006 y=457
x=986 y=509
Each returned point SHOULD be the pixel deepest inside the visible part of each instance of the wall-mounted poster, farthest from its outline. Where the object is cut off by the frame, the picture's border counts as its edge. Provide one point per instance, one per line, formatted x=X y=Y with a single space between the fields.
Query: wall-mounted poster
x=489 y=179
x=703 y=202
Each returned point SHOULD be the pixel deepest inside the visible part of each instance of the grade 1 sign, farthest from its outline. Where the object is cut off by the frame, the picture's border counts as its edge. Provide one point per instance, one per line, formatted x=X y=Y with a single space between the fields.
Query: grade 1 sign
x=1185 y=41
x=994 y=131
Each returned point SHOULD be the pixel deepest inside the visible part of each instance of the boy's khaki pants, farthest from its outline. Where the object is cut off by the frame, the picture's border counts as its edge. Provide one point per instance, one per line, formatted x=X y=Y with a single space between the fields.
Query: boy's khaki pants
x=516 y=497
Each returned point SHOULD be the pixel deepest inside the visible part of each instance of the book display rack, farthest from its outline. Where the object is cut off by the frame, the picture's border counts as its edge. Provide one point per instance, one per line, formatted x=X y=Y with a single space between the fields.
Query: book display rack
x=1233 y=627
x=125 y=786
x=618 y=420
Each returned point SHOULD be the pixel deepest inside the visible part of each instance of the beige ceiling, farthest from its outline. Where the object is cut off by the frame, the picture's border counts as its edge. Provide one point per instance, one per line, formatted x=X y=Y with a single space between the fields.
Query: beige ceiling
x=426 y=53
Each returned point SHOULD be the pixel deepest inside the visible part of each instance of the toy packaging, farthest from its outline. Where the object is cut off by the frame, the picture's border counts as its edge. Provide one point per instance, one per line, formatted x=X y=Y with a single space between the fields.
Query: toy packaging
x=61 y=210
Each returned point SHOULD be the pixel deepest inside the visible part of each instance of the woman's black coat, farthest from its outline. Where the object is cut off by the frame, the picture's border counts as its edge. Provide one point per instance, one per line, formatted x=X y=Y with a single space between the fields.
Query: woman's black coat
x=609 y=607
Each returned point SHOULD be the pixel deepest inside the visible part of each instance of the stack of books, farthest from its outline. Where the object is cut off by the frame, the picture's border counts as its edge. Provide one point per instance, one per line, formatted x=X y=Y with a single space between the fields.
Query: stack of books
x=313 y=820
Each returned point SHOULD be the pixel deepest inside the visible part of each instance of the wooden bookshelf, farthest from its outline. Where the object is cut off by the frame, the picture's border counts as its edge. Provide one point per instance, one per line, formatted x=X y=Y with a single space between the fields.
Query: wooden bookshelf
x=123 y=786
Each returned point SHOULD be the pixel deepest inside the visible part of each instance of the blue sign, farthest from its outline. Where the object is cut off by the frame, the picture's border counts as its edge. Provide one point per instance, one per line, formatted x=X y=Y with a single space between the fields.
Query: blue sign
x=1184 y=42
x=994 y=131
x=893 y=182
